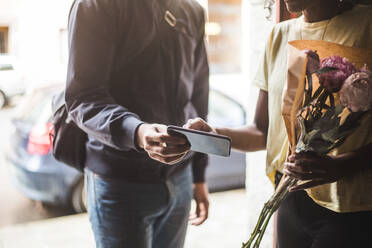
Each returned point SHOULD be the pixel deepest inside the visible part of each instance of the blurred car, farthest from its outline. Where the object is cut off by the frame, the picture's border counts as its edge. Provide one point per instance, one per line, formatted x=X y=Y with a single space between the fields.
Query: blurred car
x=11 y=79
x=39 y=176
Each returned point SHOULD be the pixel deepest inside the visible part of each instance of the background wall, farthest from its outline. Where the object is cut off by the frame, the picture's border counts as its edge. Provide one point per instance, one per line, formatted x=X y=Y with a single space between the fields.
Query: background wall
x=37 y=36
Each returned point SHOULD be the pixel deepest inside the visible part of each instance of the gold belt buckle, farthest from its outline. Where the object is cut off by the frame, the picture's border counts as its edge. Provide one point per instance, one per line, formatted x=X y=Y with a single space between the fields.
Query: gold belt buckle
x=170 y=18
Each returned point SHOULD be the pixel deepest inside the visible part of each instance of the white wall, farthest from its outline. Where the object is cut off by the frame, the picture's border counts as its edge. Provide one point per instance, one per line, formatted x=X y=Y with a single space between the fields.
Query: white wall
x=35 y=36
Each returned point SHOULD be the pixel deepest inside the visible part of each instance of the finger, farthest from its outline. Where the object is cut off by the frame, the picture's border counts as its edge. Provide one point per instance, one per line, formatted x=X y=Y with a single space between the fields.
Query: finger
x=160 y=128
x=300 y=169
x=307 y=185
x=301 y=162
x=165 y=138
x=167 y=160
x=308 y=165
x=189 y=122
x=304 y=155
x=304 y=176
x=198 y=221
x=192 y=216
x=194 y=125
x=310 y=161
x=202 y=208
x=167 y=151
x=197 y=124
x=176 y=161
x=201 y=214
x=292 y=158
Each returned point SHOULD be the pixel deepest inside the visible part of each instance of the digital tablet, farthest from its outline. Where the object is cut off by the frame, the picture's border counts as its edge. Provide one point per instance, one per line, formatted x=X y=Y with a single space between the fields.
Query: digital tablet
x=204 y=142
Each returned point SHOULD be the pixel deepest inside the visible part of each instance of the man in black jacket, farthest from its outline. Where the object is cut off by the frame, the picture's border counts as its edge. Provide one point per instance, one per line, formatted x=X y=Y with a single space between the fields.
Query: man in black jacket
x=136 y=66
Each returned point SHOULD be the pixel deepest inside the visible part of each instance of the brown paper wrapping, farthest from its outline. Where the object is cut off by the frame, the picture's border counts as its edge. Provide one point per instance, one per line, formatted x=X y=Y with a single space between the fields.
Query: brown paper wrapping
x=293 y=91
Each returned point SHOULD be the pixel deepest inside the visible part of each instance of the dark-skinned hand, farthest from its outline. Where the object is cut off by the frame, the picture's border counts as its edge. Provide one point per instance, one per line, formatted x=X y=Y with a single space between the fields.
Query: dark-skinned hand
x=316 y=170
x=160 y=145
x=200 y=214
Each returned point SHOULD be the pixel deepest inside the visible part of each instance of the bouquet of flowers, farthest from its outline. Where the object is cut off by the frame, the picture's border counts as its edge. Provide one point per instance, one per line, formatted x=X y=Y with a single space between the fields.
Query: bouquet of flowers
x=324 y=102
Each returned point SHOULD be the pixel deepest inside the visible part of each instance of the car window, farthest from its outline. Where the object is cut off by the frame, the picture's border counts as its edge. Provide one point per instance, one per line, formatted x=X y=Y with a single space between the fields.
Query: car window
x=224 y=111
x=6 y=67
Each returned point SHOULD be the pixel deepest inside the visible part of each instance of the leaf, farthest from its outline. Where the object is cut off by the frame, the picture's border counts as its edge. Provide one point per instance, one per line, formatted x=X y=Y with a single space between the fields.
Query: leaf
x=331 y=135
x=329 y=114
x=325 y=70
x=339 y=109
x=318 y=145
x=312 y=135
x=326 y=122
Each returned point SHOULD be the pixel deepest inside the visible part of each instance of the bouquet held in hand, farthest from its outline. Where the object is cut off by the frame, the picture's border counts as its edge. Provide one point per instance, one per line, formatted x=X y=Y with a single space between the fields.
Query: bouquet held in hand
x=323 y=104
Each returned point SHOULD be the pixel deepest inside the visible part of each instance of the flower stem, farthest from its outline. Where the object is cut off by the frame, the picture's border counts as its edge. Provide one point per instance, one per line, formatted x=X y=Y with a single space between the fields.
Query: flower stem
x=259 y=238
x=268 y=210
x=256 y=230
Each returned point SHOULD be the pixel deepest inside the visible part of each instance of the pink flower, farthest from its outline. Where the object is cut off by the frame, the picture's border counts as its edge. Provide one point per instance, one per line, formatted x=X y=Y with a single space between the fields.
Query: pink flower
x=313 y=61
x=356 y=92
x=333 y=80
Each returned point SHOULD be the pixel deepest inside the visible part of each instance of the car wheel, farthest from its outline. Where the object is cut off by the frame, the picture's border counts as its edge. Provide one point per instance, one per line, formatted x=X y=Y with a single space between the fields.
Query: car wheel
x=78 y=197
x=3 y=99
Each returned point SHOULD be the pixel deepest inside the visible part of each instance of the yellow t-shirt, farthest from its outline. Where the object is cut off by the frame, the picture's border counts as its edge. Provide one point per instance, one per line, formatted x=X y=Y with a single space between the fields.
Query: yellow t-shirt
x=351 y=28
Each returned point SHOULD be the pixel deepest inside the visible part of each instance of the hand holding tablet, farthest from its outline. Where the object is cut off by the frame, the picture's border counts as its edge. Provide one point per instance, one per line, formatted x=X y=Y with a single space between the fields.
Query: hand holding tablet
x=204 y=142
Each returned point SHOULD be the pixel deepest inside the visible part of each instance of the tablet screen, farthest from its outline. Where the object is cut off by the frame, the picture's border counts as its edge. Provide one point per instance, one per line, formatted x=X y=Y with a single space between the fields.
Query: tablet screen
x=204 y=142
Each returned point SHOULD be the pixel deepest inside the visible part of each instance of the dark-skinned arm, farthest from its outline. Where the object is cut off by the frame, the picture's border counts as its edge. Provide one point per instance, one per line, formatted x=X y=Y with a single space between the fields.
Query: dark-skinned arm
x=251 y=137
x=318 y=170
x=247 y=138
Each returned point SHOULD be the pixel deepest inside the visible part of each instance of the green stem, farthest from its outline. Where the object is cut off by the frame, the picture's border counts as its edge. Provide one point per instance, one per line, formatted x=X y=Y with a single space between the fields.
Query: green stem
x=258 y=225
x=275 y=207
x=269 y=208
x=258 y=240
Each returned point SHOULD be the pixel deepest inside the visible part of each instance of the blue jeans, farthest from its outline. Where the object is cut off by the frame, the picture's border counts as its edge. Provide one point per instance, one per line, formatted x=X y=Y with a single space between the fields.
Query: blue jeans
x=137 y=215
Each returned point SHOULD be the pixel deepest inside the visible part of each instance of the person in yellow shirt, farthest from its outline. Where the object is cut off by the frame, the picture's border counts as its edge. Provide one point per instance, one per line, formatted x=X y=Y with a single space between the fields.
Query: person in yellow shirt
x=336 y=208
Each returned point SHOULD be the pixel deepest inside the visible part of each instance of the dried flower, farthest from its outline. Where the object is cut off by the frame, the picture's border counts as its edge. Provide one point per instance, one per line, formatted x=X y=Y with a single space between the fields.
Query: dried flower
x=356 y=92
x=333 y=80
x=313 y=61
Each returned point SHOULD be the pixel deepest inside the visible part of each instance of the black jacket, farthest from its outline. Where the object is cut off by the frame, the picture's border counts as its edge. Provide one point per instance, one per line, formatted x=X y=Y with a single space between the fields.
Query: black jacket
x=128 y=65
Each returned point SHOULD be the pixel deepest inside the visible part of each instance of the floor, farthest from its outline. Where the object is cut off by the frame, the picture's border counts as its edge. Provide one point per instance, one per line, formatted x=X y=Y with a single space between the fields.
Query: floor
x=227 y=227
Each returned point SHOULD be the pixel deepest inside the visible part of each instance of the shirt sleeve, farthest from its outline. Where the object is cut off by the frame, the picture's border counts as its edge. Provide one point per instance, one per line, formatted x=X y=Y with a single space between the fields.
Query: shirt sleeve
x=93 y=39
x=261 y=78
x=200 y=101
